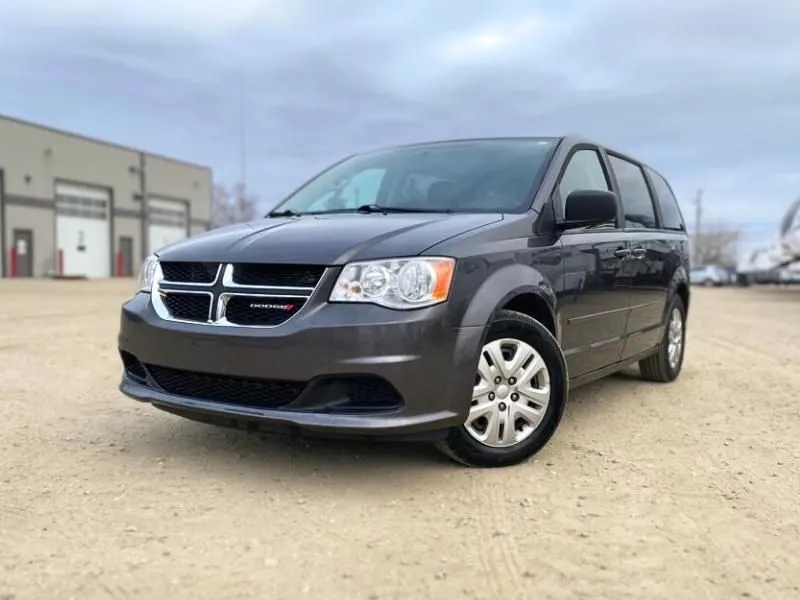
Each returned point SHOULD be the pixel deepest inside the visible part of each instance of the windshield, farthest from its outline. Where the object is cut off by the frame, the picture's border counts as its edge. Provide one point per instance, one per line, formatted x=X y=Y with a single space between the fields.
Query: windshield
x=471 y=176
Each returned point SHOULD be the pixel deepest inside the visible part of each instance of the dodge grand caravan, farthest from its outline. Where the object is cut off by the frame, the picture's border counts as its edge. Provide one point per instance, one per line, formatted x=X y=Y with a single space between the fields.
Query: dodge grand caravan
x=451 y=292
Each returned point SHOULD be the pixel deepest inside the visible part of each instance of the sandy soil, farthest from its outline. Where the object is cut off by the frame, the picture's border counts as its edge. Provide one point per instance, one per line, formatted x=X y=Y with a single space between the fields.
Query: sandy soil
x=688 y=490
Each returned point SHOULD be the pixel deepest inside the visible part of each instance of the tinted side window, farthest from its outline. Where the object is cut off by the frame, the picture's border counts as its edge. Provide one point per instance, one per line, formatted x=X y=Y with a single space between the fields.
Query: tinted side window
x=671 y=217
x=635 y=195
x=584 y=172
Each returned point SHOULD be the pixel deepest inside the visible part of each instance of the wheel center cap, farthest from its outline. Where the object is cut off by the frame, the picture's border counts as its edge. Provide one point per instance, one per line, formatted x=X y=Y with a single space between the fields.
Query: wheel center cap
x=502 y=391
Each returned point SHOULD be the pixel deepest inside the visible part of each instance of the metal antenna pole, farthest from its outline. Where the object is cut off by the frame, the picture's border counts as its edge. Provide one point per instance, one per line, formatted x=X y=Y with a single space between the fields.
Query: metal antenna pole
x=242 y=133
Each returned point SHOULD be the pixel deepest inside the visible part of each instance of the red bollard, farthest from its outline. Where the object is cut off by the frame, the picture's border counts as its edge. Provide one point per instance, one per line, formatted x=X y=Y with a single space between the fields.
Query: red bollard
x=14 y=262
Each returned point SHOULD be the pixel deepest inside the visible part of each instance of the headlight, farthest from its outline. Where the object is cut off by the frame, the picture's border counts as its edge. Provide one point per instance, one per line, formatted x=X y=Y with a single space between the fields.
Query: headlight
x=147 y=274
x=401 y=283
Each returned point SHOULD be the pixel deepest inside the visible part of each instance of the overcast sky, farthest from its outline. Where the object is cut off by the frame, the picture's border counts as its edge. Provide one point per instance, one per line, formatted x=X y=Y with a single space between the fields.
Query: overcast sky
x=707 y=91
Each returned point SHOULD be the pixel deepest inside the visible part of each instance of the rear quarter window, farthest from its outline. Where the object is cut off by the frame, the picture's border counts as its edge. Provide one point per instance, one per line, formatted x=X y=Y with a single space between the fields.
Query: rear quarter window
x=671 y=217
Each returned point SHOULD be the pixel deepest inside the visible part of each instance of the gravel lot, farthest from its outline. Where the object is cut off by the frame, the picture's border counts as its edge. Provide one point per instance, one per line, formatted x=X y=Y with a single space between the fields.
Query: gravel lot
x=686 y=490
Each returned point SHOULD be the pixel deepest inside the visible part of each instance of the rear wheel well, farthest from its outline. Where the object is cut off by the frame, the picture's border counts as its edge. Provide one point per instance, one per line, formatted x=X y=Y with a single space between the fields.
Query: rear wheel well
x=535 y=307
x=683 y=292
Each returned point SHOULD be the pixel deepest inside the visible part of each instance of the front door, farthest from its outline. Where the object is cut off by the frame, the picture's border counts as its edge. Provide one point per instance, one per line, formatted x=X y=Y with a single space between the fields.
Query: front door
x=595 y=300
x=595 y=297
x=22 y=240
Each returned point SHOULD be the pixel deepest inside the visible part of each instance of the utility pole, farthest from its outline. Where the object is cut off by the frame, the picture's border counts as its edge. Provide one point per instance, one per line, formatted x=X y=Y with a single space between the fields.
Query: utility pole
x=145 y=209
x=698 y=213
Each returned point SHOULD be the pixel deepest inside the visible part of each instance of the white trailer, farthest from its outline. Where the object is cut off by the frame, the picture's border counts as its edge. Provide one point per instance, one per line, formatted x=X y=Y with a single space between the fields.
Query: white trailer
x=769 y=262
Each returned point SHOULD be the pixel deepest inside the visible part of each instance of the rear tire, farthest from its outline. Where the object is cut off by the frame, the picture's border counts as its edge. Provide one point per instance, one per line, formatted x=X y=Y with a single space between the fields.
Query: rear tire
x=518 y=398
x=663 y=366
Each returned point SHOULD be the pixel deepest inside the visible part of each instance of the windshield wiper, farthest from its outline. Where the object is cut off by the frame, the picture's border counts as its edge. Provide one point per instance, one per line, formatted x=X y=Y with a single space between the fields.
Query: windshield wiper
x=283 y=213
x=376 y=208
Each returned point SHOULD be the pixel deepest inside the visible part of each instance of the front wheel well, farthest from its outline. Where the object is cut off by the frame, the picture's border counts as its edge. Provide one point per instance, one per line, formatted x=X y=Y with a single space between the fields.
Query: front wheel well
x=535 y=307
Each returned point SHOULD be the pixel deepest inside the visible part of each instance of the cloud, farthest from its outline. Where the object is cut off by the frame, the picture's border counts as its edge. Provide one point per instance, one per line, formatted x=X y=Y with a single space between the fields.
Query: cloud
x=706 y=92
x=195 y=17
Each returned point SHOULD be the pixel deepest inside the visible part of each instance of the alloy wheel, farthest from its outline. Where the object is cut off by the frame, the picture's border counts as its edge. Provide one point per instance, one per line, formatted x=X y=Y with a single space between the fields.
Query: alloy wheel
x=675 y=338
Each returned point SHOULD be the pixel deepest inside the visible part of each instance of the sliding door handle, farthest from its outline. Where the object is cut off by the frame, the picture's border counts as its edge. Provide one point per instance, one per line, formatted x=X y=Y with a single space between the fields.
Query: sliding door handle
x=639 y=252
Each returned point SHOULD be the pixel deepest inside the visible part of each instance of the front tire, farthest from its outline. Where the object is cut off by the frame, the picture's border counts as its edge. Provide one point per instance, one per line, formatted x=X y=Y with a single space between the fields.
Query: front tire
x=666 y=364
x=519 y=395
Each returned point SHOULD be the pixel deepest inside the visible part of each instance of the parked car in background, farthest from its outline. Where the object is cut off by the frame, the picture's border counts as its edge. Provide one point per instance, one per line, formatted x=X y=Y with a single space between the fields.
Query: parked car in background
x=730 y=275
x=709 y=275
x=452 y=292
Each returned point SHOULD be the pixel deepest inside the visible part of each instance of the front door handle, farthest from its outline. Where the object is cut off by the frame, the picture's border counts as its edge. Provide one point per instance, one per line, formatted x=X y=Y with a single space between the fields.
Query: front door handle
x=639 y=252
x=622 y=252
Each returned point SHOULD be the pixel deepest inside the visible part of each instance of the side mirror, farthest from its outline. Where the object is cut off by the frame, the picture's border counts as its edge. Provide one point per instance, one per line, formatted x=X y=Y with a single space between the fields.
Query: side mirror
x=583 y=208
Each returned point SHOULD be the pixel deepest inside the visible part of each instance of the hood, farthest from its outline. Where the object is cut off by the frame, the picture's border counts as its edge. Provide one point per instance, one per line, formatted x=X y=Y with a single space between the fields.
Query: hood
x=325 y=239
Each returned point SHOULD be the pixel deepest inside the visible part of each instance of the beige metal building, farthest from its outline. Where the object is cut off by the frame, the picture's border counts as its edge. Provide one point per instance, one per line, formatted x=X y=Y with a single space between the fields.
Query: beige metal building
x=75 y=206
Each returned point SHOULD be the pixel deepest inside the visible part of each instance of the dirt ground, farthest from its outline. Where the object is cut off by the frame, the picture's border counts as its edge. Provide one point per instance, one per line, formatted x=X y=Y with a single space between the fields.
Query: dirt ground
x=686 y=490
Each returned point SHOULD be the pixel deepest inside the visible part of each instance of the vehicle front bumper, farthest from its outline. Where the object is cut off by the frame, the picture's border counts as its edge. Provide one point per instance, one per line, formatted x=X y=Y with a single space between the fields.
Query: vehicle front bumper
x=430 y=366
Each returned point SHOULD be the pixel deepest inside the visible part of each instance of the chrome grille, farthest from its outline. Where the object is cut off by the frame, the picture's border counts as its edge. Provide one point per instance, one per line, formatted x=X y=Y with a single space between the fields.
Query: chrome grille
x=190 y=272
x=288 y=276
x=233 y=295
x=188 y=306
x=260 y=310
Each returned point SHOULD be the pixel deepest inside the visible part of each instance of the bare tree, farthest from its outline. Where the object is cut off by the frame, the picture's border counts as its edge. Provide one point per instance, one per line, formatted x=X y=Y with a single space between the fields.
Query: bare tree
x=717 y=245
x=229 y=206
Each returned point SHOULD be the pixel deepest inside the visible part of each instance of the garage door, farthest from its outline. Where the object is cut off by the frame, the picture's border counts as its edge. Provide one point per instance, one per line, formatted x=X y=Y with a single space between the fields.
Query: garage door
x=169 y=222
x=83 y=230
